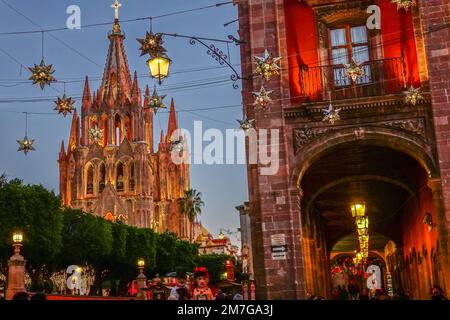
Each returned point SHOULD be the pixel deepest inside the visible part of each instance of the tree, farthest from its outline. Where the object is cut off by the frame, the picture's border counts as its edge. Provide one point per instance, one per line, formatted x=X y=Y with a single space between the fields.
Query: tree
x=191 y=205
x=35 y=211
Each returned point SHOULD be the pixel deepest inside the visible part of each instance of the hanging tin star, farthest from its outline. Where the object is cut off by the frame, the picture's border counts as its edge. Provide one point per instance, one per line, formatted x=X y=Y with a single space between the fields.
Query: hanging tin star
x=405 y=4
x=96 y=135
x=176 y=144
x=331 y=114
x=262 y=98
x=246 y=124
x=64 y=105
x=413 y=95
x=42 y=74
x=354 y=70
x=267 y=66
x=25 y=145
x=155 y=102
x=151 y=44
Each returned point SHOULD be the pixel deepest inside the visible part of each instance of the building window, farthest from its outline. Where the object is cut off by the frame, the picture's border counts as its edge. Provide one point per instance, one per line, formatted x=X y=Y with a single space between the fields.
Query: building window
x=117 y=130
x=349 y=44
x=131 y=177
x=90 y=180
x=119 y=177
x=102 y=177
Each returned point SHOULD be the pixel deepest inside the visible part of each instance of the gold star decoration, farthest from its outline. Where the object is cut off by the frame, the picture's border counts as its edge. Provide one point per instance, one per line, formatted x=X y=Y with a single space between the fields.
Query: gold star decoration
x=42 y=74
x=331 y=114
x=25 y=145
x=262 y=98
x=64 y=105
x=96 y=135
x=151 y=44
x=246 y=124
x=405 y=4
x=155 y=102
x=354 y=70
x=267 y=66
x=176 y=144
x=413 y=95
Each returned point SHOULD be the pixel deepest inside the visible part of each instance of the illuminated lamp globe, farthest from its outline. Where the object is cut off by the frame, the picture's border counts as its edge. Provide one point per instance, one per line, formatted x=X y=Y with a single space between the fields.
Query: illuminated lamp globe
x=18 y=237
x=358 y=210
x=159 y=66
x=141 y=263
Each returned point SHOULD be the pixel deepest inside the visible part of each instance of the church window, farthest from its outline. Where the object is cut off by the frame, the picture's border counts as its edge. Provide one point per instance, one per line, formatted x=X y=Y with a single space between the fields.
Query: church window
x=102 y=178
x=117 y=130
x=131 y=177
x=90 y=180
x=119 y=178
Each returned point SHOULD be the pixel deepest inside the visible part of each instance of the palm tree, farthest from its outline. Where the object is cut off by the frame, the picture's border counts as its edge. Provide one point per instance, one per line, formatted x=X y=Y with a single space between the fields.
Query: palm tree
x=191 y=205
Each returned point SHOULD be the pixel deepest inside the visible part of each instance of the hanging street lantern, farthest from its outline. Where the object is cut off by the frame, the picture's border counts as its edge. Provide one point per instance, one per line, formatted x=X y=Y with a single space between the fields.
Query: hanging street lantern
x=266 y=66
x=262 y=98
x=64 y=105
x=358 y=210
x=405 y=4
x=159 y=65
x=42 y=74
x=25 y=145
x=96 y=135
x=412 y=95
x=155 y=102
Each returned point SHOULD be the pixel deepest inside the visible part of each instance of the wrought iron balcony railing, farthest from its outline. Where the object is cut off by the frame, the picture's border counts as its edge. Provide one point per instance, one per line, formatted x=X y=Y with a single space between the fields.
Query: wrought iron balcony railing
x=381 y=77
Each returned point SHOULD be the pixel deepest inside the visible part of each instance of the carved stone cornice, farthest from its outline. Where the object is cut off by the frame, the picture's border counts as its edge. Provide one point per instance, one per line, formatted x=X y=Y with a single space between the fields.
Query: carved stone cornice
x=303 y=136
x=414 y=126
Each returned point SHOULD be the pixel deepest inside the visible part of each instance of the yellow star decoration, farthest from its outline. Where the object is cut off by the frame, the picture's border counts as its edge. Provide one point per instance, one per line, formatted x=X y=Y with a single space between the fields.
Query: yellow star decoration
x=96 y=135
x=25 y=145
x=262 y=98
x=353 y=70
x=267 y=66
x=151 y=44
x=64 y=105
x=413 y=95
x=42 y=74
x=155 y=102
x=405 y=4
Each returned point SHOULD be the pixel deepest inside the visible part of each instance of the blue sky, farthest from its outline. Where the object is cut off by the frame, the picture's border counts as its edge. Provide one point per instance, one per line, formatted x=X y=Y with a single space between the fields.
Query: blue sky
x=223 y=186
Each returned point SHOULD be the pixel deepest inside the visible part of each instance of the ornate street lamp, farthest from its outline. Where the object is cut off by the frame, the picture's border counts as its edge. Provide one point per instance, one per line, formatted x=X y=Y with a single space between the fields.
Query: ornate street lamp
x=141 y=280
x=18 y=238
x=16 y=270
x=159 y=65
x=358 y=210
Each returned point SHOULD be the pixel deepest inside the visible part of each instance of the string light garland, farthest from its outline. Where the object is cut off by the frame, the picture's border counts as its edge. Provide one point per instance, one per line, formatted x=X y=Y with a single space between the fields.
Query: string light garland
x=26 y=145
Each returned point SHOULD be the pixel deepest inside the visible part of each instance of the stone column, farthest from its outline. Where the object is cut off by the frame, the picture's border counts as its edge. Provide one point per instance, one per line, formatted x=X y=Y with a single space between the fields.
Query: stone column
x=141 y=284
x=16 y=273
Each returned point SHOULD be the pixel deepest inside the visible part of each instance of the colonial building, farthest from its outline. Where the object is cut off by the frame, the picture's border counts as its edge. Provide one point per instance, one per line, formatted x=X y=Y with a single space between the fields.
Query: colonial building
x=120 y=176
x=210 y=245
x=390 y=155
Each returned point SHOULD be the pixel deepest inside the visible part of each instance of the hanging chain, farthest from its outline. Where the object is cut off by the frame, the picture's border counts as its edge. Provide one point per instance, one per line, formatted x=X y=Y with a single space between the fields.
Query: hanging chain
x=42 y=45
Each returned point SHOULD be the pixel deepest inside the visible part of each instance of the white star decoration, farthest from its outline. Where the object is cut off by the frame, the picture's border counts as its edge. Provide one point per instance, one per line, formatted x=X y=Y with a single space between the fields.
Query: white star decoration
x=267 y=66
x=262 y=98
x=246 y=124
x=331 y=114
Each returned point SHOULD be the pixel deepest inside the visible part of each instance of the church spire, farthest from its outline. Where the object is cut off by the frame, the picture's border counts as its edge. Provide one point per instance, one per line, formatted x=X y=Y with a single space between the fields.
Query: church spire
x=86 y=103
x=173 y=123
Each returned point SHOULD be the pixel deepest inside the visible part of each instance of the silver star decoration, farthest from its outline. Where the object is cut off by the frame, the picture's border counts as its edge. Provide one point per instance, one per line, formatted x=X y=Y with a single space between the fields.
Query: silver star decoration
x=353 y=70
x=413 y=95
x=267 y=66
x=405 y=4
x=331 y=114
x=246 y=124
x=176 y=144
x=96 y=135
x=262 y=98
x=25 y=145
x=64 y=105
x=155 y=102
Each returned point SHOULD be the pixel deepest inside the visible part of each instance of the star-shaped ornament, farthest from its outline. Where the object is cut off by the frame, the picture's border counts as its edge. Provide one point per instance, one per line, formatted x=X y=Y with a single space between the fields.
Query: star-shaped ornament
x=262 y=98
x=331 y=114
x=176 y=144
x=64 y=105
x=96 y=135
x=246 y=124
x=151 y=44
x=155 y=102
x=405 y=4
x=354 y=70
x=42 y=74
x=267 y=66
x=413 y=95
x=25 y=145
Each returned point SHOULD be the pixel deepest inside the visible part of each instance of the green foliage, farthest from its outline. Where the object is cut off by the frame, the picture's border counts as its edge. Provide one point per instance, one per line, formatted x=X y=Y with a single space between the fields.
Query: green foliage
x=215 y=264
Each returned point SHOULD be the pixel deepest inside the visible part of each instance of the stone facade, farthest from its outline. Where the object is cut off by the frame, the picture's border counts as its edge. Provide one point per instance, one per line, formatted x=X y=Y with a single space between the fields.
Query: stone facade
x=122 y=177
x=374 y=119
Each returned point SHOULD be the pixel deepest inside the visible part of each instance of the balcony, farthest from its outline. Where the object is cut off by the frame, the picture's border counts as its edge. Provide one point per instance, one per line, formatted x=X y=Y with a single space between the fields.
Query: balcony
x=381 y=77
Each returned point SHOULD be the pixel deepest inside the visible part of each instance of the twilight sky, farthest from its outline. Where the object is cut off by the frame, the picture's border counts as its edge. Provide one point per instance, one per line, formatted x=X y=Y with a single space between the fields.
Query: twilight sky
x=78 y=53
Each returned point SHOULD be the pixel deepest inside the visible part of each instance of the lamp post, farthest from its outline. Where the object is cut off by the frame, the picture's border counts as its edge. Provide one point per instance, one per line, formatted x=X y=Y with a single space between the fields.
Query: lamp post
x=141 y=281
x=16 y=264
